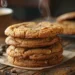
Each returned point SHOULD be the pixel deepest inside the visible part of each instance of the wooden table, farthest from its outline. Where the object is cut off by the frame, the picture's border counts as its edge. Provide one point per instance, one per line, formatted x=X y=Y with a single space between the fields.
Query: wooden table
x=67 y=68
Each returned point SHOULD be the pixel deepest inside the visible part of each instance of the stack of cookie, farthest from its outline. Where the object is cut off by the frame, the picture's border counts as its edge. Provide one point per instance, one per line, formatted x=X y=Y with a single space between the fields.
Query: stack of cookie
x=34 y=44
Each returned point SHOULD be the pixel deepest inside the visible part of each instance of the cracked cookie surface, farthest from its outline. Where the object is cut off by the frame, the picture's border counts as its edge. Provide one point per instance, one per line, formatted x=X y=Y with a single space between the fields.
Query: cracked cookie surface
x=33 y=30
x=68 y=27
x=30 y=53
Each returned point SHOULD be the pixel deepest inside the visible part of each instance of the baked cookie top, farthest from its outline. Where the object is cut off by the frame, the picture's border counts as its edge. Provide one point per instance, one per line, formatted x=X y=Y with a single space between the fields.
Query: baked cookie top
x=68 y=27
x=66 y=16
x=33 y=30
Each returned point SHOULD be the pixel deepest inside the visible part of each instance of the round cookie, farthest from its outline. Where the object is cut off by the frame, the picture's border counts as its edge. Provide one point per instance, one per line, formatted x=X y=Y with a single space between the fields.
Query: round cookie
x=33 y=30
x=33 y=63
x=68 y=27
x=66 y=16
x=31 y=43
x=24 y=52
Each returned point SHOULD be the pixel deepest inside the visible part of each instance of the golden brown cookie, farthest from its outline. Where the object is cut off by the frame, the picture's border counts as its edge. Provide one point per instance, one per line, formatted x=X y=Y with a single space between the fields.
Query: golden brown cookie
x=67 y=16
x=44 y=56
x=31 y=43
x=24 y=52
x=68 y=27
x=34 y=63
x=33 y=30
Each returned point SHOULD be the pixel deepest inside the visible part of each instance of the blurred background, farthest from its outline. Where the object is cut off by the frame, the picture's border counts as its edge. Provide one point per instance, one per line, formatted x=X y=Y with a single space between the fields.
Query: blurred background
x=28 y=10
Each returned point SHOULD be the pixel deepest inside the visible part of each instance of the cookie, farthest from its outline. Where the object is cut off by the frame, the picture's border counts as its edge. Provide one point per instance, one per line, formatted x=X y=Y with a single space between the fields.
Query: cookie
x=33 y=30
x=25 y=52
x=67 y=16
x=34 y=63
x=44 y=56
x=31 y=43
x=68 y=27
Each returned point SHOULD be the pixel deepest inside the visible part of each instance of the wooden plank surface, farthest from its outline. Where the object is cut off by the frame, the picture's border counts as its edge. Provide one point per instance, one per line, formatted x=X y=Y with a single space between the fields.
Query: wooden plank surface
x=67 y=68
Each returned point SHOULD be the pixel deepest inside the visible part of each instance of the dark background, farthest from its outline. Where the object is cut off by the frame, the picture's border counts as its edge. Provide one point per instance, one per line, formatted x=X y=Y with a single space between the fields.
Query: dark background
x=59 y=7
x=28 y=9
